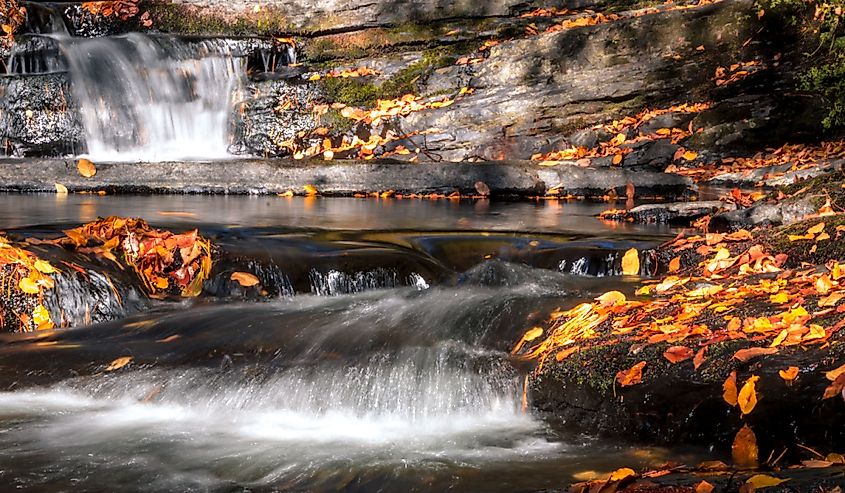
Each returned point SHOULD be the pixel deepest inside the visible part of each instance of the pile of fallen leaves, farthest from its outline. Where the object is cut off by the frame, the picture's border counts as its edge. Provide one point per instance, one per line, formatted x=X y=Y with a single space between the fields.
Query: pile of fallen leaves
x=718 y=300
x=12 y=17
x=23 y=279
x=794 y=157
x=345 y=73
x=627 y=131
x=166 y=263
x=120 y=9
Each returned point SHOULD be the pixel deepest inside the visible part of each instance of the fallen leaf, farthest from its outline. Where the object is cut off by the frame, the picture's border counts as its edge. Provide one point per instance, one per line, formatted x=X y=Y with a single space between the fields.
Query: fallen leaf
x=631 y=376
x=703 y=487
x=816 y=463
x=44 y=267
x=41 y=317
x=779 y=298
x=729 y=390
x=119 y=363
x=631 y=262
x=834 y=374
x=245 y=279
x=835 y=388
x=747 y=397
x=699 y=357
x=763 y=481
x=621 y=474
x=28 y=286
x=676 y=354
x=818 y=228
x=690 y=155
x=789 y=374
x=86 y=168
x=310 y=190
x=61 y=189
x=745 y=355
x=675 y=264
x=744 y=448
x=611 y=298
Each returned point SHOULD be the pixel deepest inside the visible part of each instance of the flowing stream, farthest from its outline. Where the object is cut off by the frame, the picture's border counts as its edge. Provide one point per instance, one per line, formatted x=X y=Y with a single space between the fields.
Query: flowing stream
x=396 y=381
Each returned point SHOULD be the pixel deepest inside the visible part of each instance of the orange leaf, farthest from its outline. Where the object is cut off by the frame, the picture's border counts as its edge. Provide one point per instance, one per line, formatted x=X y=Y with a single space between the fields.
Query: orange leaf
x=119 y=363
x=310 y=190
x=704 y=487
x=690 y=155
x=834 y=374
x=835 y=388
x=621 y=474
x=617 y=159
x=676 y=354
x=631 y=376
x=675 y=264
x=699 y=357
x=86 y=168
x=744 y=449
x=746 y=355
x=747 y=397
x=789 y=374
x=729 y=391
x=245 y=279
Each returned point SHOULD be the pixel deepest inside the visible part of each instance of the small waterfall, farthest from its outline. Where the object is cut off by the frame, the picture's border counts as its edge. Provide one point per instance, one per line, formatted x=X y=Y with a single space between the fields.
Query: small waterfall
x=151 y=99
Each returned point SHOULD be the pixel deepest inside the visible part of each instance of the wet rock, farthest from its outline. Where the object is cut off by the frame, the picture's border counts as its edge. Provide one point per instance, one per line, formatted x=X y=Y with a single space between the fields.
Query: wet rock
x=587 y=138
x=678 y=213
x=650 y=154
x=775 y=176
x=786 y=212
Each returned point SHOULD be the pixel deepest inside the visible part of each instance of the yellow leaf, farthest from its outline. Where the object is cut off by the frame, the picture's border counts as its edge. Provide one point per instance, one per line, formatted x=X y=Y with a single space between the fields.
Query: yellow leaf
x=620 y=474
x=763 y=481
x=779 y=298
x=789 y=374
x=86 y=168
x=28 y=286
x=41 y=317
x=315 y=77
x=532 y=334
x=61 y=189
x=44 y=267
x=310 y=190
x=119 y=363
x=245 y=279
x=818 y=228
x=747 y=397
x=631 y=262
x=690 y=155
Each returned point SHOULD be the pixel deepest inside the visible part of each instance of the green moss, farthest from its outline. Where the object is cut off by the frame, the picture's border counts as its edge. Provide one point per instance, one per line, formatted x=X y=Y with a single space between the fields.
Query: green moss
x=168 y=17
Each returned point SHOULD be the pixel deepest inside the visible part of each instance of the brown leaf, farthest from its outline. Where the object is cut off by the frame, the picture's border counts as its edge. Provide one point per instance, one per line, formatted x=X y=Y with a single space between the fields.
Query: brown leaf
x=744 y=449
x=746 y=355
x=86 y=168
x=835 y=388
x=747 y=397
x=729 y=391
x=482 y=188
x=676 y=354
x=245 y=279
x=834 y=374
x=631 y=376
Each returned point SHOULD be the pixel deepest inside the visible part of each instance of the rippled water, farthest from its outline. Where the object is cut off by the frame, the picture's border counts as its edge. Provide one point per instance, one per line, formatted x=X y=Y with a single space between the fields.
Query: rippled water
x=377 y=361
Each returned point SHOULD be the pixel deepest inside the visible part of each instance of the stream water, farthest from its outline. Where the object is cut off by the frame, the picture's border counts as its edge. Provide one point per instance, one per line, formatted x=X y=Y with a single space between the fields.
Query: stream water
x=372 y=374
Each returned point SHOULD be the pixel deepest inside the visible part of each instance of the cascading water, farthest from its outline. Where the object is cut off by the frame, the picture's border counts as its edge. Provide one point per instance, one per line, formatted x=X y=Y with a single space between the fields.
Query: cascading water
x=146 y=99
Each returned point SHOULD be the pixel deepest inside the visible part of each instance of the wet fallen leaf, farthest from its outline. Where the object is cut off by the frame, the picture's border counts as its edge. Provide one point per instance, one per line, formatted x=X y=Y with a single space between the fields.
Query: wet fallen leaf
x=28 y=286
x=61 y=189
x=245 y=279
x=835 y=388
x=119 y=363
x=764 y=481
x=729 y=390
x=816 y=463
x=699 y=358
x=310 y=190
x=676 y=354
x=41 y=317
x=675 y=264
x=744 y=449
x=703 y=487
x=746 y=355
x=631 y=262
x=818 y=228
x=621 y=474
x=747 y=398
x=834 y=374
x=44 y=267
x=611 y=298
x=690 y=155
x=86 y=168
x=631 y=376
x=789 y=374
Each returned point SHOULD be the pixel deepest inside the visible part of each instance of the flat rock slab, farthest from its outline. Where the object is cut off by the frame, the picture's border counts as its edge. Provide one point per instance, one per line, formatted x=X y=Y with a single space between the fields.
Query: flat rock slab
x=337 y=178
x=673 y=213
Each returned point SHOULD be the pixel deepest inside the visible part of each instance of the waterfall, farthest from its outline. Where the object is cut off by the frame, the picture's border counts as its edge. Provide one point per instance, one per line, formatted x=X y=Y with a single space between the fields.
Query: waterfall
x=146 y=99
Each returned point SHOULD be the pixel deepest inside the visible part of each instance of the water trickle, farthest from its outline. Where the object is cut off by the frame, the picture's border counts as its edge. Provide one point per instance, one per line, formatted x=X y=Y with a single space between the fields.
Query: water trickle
x=154 y=99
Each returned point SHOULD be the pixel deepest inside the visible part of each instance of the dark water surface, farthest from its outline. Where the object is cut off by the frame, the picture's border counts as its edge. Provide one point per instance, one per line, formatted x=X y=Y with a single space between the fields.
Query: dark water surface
x=383 y=367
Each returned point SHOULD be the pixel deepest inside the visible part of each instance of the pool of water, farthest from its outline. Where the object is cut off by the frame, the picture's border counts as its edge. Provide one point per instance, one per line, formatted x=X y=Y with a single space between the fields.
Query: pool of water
x=382 y=366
